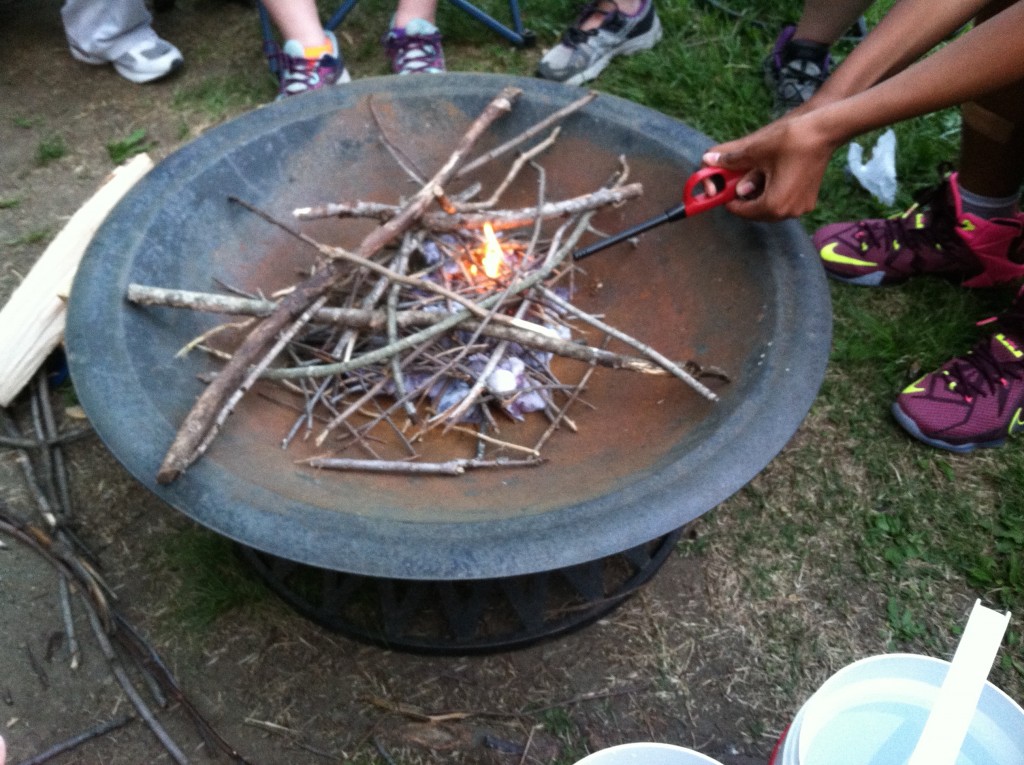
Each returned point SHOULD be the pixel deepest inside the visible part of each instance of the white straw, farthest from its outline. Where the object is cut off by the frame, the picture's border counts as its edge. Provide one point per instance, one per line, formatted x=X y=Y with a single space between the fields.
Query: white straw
x=950 y=718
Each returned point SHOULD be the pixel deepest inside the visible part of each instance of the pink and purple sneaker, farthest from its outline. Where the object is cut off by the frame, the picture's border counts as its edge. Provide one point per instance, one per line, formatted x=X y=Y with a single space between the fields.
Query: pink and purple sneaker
x=935 y=237
x=415 y=48
x=298 y=74
x=974 y=400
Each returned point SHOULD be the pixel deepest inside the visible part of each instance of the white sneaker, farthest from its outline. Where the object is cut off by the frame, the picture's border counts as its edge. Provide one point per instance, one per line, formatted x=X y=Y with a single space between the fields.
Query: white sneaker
x=147 y=60
x=582 y=54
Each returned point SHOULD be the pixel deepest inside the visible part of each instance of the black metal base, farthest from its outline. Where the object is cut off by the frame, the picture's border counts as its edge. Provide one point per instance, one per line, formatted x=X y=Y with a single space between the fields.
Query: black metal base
x=462 y=617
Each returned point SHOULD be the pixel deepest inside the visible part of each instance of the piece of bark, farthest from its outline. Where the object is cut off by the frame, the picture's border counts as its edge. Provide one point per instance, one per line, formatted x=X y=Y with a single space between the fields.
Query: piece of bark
x=34 y=317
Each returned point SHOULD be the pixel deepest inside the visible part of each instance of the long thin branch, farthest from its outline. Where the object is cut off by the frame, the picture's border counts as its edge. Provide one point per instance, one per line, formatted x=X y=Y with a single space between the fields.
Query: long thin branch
x=512 y=174
x=652 y=354
x=540 y=127
x=81 y=738
x=377 y=320
x=467 y=217
x=254 y=373
x=339 y=253
x=98 y=613
x=107 y=624
x=450 y=467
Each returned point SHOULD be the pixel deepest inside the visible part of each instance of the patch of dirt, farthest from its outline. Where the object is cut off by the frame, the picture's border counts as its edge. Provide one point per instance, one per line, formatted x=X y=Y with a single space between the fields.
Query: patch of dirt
x=283 y=690
x=694 y=659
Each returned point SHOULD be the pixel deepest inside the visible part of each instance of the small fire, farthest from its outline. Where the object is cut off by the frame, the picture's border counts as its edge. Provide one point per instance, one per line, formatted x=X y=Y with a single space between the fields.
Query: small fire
x=494 y=256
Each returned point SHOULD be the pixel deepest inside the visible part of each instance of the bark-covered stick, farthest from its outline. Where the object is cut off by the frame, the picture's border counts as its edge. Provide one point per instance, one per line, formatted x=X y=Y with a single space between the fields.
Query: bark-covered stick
x=467 y=216
x=451 y=467
x=377 y=320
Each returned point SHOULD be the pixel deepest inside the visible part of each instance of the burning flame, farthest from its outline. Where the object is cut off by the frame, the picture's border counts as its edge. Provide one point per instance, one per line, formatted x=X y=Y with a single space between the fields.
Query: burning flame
x=494 y=256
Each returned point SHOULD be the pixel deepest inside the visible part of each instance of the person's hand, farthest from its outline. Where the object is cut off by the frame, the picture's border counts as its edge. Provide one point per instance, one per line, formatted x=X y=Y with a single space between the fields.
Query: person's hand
x=785 y=160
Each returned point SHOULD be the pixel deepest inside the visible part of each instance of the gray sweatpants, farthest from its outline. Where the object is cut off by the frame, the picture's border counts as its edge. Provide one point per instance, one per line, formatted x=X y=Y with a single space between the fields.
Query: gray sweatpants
x=105 y=29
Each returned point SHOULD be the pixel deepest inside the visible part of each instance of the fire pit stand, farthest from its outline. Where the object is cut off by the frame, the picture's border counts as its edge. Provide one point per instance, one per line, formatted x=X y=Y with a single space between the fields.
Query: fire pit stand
x=506 y=556
x=461 y=617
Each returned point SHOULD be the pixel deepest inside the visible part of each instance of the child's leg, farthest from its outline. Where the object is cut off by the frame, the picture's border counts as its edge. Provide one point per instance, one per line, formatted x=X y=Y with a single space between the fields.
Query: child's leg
x=310 y=57
x=415 y=9
x=118 y=33
x=992 y=137
x=972 y=231
x=977 y=400
x=992 y=143
x=297 y=20
x=825 y=21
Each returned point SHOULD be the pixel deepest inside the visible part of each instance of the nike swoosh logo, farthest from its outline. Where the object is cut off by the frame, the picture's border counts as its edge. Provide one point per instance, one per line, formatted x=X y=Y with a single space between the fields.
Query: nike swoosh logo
x=915 y=386
x=828 y=252
x=1016 y=423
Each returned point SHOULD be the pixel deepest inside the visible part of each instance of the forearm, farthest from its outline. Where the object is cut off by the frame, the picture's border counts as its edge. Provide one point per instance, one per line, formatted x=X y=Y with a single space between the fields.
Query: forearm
x=989 y=57
x=908 y=31
x=786 y=159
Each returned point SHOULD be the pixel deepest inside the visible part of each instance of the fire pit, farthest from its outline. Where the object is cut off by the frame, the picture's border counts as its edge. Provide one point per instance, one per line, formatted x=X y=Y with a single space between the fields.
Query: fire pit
x=648 y=457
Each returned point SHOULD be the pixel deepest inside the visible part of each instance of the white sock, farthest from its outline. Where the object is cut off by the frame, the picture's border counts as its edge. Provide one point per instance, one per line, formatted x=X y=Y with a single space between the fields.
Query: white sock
x=988 y=207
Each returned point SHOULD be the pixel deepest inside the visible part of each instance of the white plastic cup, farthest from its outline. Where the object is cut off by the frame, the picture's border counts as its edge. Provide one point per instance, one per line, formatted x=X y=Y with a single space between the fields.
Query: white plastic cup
x=646 y=753
x=872 y=713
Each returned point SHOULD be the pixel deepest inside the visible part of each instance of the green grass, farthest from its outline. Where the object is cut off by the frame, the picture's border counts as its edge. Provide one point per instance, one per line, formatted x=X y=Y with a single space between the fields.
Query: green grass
x=218 y=96
x=35 y=236
x=210 y=579
x=560 y=724
x=51 y=149
x=134 y=143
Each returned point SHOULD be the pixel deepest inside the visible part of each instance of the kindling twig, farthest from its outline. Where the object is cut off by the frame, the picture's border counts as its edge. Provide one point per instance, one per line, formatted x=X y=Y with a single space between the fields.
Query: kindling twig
x=76 y=575
x=652 y=354
x=562 y=414
x=479 y=434
x=253 y=376
x=105 y=622
x=76 y=741
x=52 y=456
x=400 y=157
x=449 y=467
x=526 y=135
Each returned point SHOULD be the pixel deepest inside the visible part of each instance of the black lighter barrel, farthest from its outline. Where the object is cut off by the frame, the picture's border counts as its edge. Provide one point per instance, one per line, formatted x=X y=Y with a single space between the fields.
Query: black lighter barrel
x=676 y=213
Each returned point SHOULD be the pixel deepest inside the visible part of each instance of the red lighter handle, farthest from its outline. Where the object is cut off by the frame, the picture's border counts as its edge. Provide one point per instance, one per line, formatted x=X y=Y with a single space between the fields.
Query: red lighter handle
x=725 y=188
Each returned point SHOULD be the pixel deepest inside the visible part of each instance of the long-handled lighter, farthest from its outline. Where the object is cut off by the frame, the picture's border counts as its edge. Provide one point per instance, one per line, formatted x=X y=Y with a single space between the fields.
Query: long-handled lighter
x=724 y=183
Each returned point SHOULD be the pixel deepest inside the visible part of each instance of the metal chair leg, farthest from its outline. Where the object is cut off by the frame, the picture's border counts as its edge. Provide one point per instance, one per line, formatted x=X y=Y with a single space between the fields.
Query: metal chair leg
x=516 y=34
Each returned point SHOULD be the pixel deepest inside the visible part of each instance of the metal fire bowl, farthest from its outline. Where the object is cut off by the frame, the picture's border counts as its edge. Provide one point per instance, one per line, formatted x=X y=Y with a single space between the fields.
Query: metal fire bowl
x=649 y=456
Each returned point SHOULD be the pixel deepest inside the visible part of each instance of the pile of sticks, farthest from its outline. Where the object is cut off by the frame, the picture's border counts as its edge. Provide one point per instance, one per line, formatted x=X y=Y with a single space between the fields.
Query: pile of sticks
x=134 y=663
x=411 y=324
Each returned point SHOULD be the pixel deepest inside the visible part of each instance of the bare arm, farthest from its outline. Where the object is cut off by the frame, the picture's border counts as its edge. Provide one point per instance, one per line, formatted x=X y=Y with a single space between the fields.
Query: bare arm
x=788 y=157
x=908 y=31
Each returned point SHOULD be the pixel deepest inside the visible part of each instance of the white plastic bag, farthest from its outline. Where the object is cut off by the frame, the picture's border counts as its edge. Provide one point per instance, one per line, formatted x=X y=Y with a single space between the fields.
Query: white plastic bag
x=878 y=174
